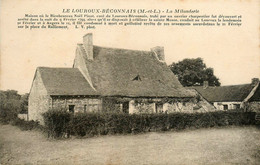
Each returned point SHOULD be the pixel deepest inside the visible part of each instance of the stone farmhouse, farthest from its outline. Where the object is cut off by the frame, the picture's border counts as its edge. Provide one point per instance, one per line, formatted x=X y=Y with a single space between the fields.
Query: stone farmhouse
x=246 y=96
x=110 y=80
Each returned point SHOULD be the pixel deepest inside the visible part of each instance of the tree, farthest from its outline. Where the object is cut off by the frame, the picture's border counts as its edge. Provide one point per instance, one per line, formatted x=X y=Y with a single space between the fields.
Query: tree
x=191 y=72
x=10 y=104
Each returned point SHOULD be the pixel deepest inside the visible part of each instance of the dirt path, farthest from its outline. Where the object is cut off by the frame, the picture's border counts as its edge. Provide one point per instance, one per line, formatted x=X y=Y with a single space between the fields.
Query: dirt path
x=206 y=146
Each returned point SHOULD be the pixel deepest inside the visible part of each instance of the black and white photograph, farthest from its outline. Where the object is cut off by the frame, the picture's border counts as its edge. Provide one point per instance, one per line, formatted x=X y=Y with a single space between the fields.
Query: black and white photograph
x=120 y=82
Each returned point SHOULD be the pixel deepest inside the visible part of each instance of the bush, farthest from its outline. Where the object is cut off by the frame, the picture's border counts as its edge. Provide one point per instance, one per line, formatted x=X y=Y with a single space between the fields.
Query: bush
x=57 y=122
x=26 y=125
x=60 y=123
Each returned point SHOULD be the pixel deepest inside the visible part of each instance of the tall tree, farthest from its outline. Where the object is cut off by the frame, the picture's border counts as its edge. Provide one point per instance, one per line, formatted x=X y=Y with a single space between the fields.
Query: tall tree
x=192 y=72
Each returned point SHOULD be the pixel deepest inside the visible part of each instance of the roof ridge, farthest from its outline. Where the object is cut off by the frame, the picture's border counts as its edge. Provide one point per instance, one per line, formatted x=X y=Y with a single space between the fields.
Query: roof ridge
x=235 y=85
x=217 y=86
x=43 y=67
x=81 y=44
x=232 y=85
x=122 y=49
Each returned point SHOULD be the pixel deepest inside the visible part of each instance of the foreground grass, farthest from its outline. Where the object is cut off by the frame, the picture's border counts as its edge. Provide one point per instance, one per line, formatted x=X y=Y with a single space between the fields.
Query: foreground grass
x=230 y=145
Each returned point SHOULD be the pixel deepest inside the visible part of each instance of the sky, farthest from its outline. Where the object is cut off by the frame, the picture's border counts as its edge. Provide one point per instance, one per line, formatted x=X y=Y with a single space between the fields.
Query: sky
x=233 y=52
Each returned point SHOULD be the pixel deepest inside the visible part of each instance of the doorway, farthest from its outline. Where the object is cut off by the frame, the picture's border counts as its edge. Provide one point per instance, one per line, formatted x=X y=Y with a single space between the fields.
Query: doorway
x=71 y=108
x=125 y=107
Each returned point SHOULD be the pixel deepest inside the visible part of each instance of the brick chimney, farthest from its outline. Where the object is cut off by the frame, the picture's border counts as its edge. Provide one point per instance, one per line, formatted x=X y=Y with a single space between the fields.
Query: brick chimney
x=254 y=81
x=205 y=84
x=88 y=45
x=159 y=52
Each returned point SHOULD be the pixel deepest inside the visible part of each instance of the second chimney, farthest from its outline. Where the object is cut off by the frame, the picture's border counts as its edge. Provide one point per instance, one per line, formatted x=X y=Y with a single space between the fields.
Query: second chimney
x=88 y=45
x=205 y=84
x=159 y=51
x=254 y=81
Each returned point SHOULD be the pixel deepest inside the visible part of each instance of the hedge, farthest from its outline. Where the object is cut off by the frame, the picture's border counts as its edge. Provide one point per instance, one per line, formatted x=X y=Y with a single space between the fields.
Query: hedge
x=60 y=123
x=26 y=125
x=57 y=122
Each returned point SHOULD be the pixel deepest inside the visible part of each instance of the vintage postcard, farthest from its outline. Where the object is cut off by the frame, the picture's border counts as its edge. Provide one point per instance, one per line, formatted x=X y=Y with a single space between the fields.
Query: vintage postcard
x=135 y=57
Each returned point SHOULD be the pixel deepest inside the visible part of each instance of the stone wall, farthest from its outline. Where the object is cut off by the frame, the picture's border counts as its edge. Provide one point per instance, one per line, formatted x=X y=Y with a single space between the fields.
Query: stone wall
x=230 y=105
x=38 y=102
x=142 y=107
x=81 y=103
x=156 y=105
x=186 y=107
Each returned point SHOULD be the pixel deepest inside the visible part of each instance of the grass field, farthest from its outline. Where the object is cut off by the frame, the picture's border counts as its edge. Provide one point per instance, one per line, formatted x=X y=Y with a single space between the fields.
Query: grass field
x=231 y=145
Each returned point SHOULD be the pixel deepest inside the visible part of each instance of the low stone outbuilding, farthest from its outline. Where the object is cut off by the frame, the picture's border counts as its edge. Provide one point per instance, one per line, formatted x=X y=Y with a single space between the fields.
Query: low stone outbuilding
x=245 y=96
x=110 y=80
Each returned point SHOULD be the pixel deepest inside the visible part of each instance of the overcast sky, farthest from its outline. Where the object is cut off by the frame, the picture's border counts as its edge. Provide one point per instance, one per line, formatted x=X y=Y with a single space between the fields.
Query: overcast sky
x=233 y=52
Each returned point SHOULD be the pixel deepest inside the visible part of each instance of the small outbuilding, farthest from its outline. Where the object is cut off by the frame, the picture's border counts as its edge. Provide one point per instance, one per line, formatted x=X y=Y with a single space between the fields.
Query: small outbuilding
x=245 y=96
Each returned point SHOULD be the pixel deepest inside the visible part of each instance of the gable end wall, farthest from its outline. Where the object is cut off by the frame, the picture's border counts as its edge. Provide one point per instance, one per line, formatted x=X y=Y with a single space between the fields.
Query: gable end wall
x=39 y=99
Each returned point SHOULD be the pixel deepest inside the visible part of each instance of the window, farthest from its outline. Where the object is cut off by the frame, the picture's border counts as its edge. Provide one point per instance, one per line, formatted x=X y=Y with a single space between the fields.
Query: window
x=225 y=107
x=71 y=108
x=158 y=107
x=137 y=78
